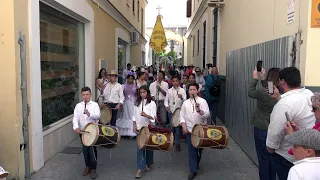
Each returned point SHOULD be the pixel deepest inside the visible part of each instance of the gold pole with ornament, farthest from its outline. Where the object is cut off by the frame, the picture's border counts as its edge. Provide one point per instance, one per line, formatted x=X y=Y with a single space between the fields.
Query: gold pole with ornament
x=158 y=42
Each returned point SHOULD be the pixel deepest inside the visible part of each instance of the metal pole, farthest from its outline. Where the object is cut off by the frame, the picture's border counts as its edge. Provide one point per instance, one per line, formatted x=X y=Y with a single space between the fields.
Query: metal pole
x=25 y=106
x=157 y=91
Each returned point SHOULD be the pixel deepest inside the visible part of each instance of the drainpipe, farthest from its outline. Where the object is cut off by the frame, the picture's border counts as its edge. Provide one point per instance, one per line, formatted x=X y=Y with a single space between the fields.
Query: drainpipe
x=25 y=106
x=298 y=44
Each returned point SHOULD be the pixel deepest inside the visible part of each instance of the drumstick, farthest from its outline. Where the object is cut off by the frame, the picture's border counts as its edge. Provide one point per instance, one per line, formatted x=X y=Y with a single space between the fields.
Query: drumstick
x=84 y=131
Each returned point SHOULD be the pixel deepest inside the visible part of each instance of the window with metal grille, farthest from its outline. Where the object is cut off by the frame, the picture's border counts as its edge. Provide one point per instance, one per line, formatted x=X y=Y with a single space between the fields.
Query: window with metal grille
x=142 y=21
x=193 y=44
x=198 y=49
x=138 y=10
x=133 y=3
x=204 y=44
x=215 y=37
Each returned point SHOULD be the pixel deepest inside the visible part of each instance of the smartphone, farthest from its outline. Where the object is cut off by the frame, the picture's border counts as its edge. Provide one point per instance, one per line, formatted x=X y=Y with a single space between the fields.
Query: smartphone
x=259 y=65
x=287 y=116
x=270 y=87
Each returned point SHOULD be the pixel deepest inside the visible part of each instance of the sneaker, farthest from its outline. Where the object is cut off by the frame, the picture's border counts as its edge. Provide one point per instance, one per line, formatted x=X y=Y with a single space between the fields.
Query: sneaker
x=93 y=174
x=138 y=174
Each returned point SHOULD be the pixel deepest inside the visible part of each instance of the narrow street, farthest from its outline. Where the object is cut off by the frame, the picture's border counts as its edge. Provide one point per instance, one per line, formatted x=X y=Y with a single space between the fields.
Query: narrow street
x=120 y=164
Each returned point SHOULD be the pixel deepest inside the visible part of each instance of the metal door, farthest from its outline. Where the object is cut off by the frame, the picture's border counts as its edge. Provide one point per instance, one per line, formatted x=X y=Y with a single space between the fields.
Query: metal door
x=239 y=107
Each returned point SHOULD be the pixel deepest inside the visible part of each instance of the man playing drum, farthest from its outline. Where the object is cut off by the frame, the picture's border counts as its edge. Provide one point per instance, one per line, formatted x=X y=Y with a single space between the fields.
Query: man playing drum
x=113 y=96
x=194 y=111
x=159 y=91
x=86 y=112
x=173 y=102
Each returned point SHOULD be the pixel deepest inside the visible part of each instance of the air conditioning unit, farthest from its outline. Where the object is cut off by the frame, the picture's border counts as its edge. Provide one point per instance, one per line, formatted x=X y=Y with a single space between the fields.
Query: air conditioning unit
x=134 y=37
x=215 y=3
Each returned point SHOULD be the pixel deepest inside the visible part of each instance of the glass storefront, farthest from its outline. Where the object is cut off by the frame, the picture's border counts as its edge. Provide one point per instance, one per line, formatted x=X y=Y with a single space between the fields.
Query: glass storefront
x=121 y=58
x=62 y=63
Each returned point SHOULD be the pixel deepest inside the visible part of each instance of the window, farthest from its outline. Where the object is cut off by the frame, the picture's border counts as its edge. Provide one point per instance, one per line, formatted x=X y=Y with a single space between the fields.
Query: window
x=62 y=64
x=193 y=45
x=143 y=58
x=142 y=21
x=122 y=51
x=138 y=10
x=215 y=37
x=133 y=3
x=204 y=45
x=194 y=5
x=198 y=44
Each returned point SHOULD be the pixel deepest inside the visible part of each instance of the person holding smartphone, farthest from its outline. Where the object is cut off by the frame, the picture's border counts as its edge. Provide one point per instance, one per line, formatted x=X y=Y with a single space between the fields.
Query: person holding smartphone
x=261 y=118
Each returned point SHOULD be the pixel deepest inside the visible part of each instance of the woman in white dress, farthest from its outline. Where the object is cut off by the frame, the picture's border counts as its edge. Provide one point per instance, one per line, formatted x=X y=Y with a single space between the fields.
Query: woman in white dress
x=125 y=123
x=101 y=82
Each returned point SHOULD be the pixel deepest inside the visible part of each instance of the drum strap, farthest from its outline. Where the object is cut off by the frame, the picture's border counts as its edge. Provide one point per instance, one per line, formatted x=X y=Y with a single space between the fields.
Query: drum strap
x=94 y=154
x=218 y=144
x=112 y=142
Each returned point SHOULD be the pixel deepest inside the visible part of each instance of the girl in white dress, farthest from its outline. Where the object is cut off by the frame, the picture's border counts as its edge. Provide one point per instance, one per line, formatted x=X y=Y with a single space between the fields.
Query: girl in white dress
x=125 y=123
x=145 y=111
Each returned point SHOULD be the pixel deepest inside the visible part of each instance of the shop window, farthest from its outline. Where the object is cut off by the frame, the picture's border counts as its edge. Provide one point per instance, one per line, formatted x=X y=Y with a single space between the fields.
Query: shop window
x=62 y=64
x=121 y=57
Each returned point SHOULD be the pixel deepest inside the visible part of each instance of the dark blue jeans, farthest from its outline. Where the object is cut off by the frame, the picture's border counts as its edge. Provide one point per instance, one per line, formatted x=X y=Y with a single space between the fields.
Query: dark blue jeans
x=280 y=165
x=114 y=113
x=213 y=107
x=176 y=130
x=265 y=170
x=194 y=155
x=144 y=158
x=90 y=156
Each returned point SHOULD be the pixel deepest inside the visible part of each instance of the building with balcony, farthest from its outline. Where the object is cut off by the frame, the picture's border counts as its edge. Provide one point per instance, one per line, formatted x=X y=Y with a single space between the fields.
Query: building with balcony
x=51 y=49
x=233 y=35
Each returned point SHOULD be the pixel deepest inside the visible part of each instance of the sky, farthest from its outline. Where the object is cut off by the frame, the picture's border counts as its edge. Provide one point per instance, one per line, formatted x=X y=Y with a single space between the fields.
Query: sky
x=173 y=12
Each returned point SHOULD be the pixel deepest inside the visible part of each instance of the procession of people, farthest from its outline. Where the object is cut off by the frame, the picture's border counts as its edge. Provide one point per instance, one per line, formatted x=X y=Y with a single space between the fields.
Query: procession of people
x=161 y=107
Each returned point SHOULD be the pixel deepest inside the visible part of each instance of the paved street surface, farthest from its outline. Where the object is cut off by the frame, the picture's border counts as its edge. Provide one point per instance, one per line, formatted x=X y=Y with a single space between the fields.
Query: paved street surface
x=120 y=164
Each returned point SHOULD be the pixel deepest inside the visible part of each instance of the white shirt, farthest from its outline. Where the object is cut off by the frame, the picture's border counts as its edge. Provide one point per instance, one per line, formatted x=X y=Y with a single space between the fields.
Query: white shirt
x=298 y=105
x=189 y=114
x=80 y=120
x=200 y=80
x=154 y=91
x=140 y=83
x=105 y=82
x=305 y=169
x=172 y=99
x=150 y=109
x=113 y=93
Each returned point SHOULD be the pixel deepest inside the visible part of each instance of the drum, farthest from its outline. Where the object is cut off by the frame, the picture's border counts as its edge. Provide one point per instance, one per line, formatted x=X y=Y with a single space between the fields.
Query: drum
x=106 y=114
x=154 y=140
x=209 y=136
x=175 y=120
x=100 y=135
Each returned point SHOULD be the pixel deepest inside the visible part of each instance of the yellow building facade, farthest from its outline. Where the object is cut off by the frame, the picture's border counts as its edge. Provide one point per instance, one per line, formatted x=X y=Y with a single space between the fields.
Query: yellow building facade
x=234 y=34
x=237 y=24
x=49 y=50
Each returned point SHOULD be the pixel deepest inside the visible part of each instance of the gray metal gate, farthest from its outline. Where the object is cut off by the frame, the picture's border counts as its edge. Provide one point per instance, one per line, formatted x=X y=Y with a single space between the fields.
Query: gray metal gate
x=239 y=107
